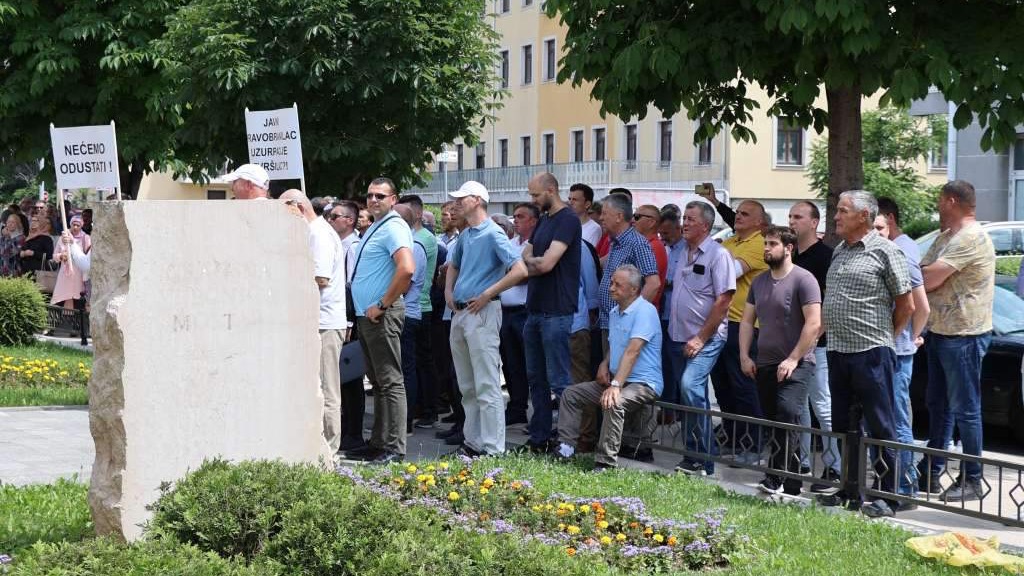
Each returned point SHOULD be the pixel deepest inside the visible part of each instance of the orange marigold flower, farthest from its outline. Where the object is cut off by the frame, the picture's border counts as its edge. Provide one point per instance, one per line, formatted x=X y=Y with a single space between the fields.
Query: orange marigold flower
x=570 y=551
x=672 y=541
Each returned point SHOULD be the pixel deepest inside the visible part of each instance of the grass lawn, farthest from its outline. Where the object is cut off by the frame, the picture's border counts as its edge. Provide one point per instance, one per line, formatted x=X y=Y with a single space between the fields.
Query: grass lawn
x=43 y=512
x=43 y=375
x=787 y=540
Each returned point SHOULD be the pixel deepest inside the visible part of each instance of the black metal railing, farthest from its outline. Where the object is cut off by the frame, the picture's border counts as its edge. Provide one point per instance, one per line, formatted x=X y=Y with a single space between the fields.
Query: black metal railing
x=803 y=453
x=71 y=322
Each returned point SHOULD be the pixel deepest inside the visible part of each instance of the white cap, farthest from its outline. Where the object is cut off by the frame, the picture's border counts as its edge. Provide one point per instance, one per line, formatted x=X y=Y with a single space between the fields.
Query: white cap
x=252 y=172
x=472 y=188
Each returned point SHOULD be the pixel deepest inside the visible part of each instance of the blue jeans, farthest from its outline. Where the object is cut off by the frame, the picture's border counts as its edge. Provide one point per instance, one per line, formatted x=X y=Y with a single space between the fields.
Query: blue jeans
x=902 y=421
x=821 y=400
x=693 y=391
x=546 y=340
x=737 y=393
x=669 y=367
x=408 y=342
x=953 y=396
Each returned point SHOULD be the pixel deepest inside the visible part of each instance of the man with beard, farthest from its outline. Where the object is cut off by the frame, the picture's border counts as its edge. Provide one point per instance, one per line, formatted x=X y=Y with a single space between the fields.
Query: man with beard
x=787 y=303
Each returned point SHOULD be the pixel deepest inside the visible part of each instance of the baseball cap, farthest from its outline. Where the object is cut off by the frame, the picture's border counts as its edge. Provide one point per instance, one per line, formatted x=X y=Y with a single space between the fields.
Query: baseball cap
x=472 y=188
x=252 y=172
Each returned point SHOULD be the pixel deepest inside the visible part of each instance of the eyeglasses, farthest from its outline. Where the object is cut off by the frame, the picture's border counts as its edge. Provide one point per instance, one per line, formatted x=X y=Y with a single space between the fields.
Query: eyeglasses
x=333 y=217
x=377 y=197
x=294 y=203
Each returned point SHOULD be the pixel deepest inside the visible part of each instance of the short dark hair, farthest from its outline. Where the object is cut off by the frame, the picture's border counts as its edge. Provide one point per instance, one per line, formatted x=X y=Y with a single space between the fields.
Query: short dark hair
x=962 y=190
x=319 y=203
x=815 y=212
x=621 y=191
x=888 y=207
x=621 y=203
x=384 y=180
x=588 y=192
x=529 y=206
x=785 y=234
x=412 y=199
x=670 y=213
x=349 y=206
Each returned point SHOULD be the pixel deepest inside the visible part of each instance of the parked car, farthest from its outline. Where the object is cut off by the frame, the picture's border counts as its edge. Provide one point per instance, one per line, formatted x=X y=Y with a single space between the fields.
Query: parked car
x=1007 y=238
x=1002 y=371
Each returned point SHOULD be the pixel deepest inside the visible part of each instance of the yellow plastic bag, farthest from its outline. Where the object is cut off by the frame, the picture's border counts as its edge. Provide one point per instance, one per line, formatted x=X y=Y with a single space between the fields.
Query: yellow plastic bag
x=958 y=549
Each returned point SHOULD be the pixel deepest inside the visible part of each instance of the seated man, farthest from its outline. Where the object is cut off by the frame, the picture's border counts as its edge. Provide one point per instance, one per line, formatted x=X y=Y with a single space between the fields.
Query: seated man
x=628 y=379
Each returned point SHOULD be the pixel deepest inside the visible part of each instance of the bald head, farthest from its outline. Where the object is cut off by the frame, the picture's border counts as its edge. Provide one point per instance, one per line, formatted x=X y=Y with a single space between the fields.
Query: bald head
x=407 y=214
x=750 y=218
x=298 y=200
x=543 y=190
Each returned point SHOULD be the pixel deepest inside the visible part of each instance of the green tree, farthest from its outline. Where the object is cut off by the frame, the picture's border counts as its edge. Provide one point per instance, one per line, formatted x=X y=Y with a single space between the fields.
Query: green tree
x=65 y=62
x=892 y=142
x=379 y=83
x=703 y=55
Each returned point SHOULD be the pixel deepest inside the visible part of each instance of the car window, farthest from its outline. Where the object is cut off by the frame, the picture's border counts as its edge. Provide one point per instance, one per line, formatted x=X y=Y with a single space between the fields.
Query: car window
x=1007 y=311
x=925 y=242
x=1006 y=241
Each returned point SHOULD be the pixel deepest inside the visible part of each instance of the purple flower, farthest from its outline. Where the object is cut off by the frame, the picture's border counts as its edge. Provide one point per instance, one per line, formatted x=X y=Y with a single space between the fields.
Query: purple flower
x=5 y=559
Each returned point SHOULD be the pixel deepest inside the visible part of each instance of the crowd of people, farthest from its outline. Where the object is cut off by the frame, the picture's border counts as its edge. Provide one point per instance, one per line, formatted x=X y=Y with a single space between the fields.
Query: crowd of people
x=596 y=310
x=34 y=240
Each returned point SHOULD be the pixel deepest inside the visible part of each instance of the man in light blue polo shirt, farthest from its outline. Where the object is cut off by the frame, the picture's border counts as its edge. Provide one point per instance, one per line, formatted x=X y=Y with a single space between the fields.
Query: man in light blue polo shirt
x=383 y=269
x=483 y=264
x=629 y=377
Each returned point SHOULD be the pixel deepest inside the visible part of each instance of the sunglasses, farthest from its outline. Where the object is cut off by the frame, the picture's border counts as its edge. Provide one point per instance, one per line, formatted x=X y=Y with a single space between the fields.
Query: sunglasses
x=377 y=197
x=333 y=217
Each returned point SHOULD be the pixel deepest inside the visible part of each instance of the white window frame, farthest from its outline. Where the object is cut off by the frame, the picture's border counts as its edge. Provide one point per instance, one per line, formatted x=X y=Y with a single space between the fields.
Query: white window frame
x=544 y=66
x=625 y=144
x=527 y=4
x=499 y=9
x=525 y=64
x=522 y=158
x=805 y=147
x=505 y=82
x=554 y=147
x=497 y=152
x=593 y=141
x=572 y=143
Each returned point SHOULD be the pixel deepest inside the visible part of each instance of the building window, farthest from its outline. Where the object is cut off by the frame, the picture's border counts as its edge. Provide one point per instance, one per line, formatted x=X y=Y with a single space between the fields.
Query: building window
x=216 y=194
x=506 y=6
x=577 y=145
x=549 y=148
x=665 y=141
x=527 y=3
x=527 y=64
x=503 y=152
x=550 y=60
x=504 y=68
x=789 y=146
x=631 y=146
x=527 y=152
x=599 y=144
x=481 y=155
x=938 y=157
x=461 y=155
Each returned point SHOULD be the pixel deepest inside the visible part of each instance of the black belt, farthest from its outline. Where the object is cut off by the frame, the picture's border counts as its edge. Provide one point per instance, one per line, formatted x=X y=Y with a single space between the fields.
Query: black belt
x=460 y=305
x=516 y=308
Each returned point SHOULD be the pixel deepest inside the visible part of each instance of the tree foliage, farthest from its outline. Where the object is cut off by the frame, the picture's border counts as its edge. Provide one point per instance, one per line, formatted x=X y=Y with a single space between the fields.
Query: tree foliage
x=705 y=55
x=379 y=83
x=893 y=141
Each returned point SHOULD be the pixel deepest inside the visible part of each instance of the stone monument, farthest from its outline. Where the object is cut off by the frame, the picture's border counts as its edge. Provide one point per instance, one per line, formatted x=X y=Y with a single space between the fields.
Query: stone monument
x=204 y=322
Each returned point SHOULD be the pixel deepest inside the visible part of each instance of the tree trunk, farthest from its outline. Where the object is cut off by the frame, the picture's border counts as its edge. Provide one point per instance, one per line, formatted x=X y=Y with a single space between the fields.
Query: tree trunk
x=131 y=177
x=845 y=150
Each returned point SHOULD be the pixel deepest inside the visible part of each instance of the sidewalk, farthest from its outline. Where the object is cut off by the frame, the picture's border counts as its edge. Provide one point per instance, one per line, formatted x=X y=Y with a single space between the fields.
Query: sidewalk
x=40 y=445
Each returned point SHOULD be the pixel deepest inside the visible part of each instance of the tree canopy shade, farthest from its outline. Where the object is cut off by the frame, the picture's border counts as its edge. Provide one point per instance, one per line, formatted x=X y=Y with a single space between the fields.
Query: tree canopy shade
x=703 y=55
x=379 y=83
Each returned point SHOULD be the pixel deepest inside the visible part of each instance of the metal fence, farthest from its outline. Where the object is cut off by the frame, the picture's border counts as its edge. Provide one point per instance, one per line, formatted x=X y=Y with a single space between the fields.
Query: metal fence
x=868 y=467
x=61 y=321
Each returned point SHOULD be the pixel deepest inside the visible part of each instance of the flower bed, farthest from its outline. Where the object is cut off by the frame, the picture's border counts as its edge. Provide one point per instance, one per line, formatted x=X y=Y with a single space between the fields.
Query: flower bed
x=43 y=374
x=617 y=529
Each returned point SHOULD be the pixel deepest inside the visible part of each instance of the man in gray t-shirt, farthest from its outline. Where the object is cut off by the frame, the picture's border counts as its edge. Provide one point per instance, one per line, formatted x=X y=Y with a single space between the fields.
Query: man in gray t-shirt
x=786 y=301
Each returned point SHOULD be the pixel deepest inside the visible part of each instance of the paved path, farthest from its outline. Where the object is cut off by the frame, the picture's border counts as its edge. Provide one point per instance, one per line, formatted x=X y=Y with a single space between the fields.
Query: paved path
x=41 y=445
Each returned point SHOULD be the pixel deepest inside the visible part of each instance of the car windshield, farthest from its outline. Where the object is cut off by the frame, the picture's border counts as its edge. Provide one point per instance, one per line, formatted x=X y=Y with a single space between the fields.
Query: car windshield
x=925 y=242
x=1007 y=311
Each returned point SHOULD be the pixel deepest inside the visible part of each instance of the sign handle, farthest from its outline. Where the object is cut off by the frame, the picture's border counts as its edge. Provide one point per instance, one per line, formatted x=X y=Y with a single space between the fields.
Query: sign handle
x=117 y=162
x=67 y=227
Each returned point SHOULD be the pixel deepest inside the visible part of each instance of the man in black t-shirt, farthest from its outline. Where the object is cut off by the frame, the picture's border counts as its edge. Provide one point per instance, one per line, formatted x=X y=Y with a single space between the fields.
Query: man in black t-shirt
x=815 y=256
x=552 y=258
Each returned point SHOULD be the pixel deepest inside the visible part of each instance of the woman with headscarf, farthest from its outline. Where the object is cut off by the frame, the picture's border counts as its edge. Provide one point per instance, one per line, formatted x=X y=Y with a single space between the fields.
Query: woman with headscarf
x=11 y=238
x=38 y=246
x=70 y=280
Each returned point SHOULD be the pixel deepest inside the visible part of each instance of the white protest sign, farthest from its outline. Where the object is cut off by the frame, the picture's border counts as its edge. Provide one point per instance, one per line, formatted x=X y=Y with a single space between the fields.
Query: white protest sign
x=274 y=142
x=448 y=156
x=85 y=157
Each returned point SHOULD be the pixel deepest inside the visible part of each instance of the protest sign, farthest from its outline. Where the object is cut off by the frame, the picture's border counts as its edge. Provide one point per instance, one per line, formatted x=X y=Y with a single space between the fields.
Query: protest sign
x=85 y=157
x=274 y=142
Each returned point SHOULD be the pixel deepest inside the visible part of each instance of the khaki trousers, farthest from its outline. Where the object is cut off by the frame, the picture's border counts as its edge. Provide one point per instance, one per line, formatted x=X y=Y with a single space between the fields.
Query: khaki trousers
x=474 y=343
x=634 y=398
x=382 y=348
x=330 y=384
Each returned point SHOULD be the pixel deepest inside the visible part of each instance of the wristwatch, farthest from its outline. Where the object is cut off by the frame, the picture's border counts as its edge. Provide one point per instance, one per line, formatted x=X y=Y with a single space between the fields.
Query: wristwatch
x=380 y=304
x=616 y=384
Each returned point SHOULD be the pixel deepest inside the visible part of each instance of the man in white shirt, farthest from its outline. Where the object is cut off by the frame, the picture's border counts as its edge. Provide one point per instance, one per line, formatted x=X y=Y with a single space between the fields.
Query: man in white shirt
x=581 y=198
x=249 y=182
x=329 y=275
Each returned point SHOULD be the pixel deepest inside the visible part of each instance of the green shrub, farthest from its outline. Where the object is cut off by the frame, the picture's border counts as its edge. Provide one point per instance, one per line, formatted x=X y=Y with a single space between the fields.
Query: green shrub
x=102 y=557
x=1010 y=266
x=920 y=227
x=55 y=512
x=234 y=509
x=22 y=311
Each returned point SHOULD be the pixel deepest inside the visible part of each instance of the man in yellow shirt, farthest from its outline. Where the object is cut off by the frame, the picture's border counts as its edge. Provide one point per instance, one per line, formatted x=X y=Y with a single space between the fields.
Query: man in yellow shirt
x=736 y=392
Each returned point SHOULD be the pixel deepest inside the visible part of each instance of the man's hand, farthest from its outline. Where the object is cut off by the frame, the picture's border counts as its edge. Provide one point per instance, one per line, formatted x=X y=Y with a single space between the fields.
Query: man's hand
x=693 y=347
x=610 y=398
x=373 y=314
x=480 y=302
x=748 y=367
x=785 y=369
x=919 y=341
x=709 y=193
